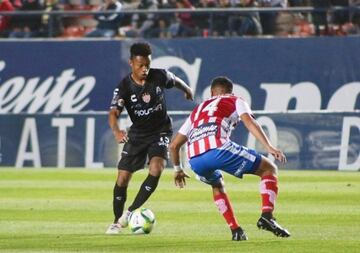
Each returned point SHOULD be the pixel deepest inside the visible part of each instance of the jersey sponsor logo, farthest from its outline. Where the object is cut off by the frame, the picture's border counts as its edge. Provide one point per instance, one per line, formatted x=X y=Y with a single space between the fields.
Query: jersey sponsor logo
x=133 y=98
x=202 y=131
x=146 y=97
x=148 y=111
x=158 y=90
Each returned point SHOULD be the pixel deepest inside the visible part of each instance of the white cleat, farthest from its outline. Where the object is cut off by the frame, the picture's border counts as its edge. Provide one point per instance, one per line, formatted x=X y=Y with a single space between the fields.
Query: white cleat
x=113 y=229
x=124 y=219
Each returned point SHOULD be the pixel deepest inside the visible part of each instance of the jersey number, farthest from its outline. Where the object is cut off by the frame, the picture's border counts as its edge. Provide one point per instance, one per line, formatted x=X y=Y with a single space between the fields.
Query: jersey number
x=210 y=108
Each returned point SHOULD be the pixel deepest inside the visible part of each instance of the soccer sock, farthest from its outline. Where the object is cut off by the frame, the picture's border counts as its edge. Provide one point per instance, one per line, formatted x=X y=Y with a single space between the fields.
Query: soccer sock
x=146 y=189
x=118 y=201
x=225 y=208
x=269 y=192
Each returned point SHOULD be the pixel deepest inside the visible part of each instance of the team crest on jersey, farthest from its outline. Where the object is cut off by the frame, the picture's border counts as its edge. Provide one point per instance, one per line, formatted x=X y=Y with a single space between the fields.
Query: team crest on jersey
x=146 y=97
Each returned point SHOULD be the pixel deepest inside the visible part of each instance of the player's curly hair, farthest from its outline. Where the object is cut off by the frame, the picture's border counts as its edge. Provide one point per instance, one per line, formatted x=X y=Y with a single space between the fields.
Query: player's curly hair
x=224 y=82
x=140 y=49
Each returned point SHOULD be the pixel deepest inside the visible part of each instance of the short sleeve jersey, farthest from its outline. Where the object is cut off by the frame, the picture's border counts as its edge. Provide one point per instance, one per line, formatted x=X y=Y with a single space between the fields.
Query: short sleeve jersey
x=146 y=103
x=210 y=124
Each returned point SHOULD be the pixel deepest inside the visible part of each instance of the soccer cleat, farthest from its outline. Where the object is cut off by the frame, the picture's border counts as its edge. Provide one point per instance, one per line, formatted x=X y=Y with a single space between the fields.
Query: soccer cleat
x=238 y=234
x=124 y=219
x=272 y=226
x=113 y=229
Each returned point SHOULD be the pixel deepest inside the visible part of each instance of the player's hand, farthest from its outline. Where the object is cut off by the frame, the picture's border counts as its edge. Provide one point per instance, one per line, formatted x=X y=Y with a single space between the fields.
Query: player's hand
x=278 y=154
x=189 y=95
x=179 y=178
x=121 y=136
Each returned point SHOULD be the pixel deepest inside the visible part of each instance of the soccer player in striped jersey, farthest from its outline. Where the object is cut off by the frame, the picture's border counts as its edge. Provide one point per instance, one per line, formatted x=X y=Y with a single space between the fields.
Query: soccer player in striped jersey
x=210 y=151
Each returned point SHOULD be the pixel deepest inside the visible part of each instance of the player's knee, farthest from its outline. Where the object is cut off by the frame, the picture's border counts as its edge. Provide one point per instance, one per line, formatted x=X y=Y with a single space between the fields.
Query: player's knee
x=218 y=187
x=156 y=166
x=123 y=178
x=267 y=167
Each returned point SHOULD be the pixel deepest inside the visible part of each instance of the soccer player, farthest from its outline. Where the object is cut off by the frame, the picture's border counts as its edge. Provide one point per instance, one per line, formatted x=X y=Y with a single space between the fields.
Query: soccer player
x=142 y=94
x=207 y=131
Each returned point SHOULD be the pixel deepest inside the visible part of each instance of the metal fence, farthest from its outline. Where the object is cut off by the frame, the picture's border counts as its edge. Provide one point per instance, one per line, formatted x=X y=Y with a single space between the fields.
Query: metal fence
x=307 y=13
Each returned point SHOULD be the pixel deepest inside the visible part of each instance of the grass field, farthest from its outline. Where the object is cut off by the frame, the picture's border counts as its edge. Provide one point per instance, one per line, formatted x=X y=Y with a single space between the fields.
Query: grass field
x=68 y=210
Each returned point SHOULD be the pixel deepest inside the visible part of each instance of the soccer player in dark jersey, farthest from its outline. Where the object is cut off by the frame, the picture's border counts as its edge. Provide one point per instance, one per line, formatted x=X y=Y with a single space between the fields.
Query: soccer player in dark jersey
x=142 y=94
x=210 y=150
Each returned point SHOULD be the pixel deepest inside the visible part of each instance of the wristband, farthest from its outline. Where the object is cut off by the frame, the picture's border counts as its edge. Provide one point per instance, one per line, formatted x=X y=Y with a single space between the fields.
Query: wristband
x=177 y=168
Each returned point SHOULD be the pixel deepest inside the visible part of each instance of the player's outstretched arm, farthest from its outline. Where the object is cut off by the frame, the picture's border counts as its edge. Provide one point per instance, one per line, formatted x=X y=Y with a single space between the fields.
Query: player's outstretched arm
x=181 y=85
x=179 y=173
x=255 y=129
x=120 y=135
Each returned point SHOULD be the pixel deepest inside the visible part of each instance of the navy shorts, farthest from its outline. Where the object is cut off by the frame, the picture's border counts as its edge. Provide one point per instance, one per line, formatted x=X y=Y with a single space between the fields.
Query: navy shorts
x=231 y=158
x=137 y=151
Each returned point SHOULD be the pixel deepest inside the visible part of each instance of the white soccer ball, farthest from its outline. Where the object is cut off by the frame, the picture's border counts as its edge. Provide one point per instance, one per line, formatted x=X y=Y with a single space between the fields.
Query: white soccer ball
x=141 y=221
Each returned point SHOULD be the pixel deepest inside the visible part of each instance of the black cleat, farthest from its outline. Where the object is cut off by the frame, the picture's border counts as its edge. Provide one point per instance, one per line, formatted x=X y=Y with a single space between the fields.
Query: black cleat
x=272 y=226
x=238 y=235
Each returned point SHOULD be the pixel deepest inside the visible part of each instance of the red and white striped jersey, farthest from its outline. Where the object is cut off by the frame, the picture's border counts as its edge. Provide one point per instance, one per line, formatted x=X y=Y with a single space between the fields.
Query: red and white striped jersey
x=210 y=124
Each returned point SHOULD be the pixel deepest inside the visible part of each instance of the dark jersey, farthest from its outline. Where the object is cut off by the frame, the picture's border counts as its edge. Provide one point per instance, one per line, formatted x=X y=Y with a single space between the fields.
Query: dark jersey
x=145 y=104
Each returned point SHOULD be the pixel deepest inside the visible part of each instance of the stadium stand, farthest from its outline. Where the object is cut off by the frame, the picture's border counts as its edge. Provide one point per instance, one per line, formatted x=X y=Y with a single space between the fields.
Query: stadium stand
x=183 y=18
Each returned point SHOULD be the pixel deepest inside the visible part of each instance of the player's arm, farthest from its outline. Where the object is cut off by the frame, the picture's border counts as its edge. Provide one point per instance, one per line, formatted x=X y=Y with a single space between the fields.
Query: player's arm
x=120 y=135
x=255 y=129
x=181 y=85
x=179 y=173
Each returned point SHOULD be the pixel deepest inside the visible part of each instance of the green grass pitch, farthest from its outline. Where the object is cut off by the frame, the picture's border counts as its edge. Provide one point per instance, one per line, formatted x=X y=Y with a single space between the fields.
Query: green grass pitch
x=68 y=210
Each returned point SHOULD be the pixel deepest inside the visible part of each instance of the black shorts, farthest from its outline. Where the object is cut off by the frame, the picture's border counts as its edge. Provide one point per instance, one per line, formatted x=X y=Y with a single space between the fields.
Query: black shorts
x=136 y=151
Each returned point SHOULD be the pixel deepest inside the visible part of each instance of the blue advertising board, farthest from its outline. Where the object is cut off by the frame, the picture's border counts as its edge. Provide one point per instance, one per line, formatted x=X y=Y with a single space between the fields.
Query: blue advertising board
x=54 y=95
x=271 y=74
x=310 y=140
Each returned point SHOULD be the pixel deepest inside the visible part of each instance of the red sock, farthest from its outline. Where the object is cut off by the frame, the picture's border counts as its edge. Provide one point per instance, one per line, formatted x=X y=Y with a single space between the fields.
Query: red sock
x=225 y=208
x=269 y=192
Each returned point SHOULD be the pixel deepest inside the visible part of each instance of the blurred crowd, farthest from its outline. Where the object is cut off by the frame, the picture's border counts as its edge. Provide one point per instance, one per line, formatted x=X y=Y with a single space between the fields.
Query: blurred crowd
x=324 y=22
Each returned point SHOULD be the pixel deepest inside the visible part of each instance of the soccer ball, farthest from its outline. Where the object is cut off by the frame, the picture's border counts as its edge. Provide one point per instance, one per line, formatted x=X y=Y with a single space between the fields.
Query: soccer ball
x=141 y=221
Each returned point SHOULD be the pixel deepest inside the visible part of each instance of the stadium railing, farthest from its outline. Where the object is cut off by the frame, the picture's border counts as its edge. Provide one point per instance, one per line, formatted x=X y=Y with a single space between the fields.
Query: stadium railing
x=210 y=11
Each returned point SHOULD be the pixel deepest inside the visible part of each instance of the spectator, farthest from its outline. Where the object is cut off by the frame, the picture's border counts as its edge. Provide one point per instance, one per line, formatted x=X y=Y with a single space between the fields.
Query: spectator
x=340 y=17
x=52 y=24
x=5 y=5
x=245 y=23
x=27 y=26
x=107 y=23
x=320 y=17
x=268 y=19
x=202 y=20
x=163 y=21
x=184 y=26
x=354 y=26
x=221 y=20
x=143 y=25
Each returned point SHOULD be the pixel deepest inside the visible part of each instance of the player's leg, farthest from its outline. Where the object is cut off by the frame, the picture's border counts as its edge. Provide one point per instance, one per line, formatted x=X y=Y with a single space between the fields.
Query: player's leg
x=224 y=206
x=241 y=160
x=157 y=152
x=156 y=166
x=120 y=193
x=133 y=158
x=267 y=171
x=205 y=168
x=119 y=199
